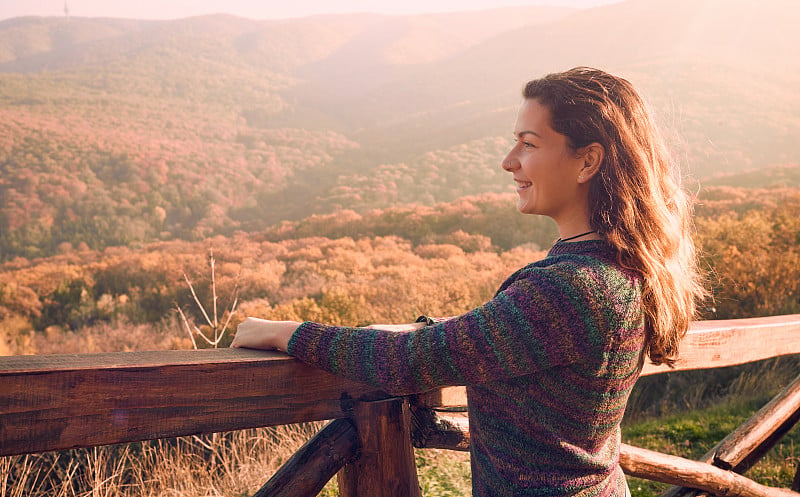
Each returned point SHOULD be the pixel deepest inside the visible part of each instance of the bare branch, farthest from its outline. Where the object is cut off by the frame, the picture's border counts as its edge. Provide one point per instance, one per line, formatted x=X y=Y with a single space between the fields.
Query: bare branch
x=209 y=341
x=230 y=314
x=213 y=285
x=197 y=300
x=186 y=323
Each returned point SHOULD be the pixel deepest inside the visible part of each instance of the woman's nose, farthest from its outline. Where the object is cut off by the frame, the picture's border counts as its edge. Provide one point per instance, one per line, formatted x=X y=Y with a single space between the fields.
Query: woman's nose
x=509 y=163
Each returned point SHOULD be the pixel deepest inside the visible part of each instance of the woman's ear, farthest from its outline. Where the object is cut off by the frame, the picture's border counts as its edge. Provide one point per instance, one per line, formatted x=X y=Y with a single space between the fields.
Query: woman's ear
x=592 y=156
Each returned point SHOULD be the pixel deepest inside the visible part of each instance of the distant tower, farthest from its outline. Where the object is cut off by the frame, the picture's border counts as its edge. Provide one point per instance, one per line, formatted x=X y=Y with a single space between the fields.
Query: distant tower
x=66 y=9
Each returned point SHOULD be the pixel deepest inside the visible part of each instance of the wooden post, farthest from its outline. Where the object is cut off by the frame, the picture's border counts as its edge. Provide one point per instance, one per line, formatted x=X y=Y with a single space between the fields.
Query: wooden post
x=796 y=482
x=386 y=463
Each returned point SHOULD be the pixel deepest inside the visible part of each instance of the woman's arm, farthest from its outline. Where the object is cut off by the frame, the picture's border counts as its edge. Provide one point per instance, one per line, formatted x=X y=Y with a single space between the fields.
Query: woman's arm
x=255 y=333
x=548 y=318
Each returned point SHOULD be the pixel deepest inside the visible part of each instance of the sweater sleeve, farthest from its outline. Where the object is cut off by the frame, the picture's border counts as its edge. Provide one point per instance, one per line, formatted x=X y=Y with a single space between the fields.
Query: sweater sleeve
x=542 y=320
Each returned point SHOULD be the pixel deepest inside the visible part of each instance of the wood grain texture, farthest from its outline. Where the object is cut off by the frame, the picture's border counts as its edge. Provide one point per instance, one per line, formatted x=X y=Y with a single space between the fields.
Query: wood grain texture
x=65 y=401
x=651 y=465
x=317 y=461
x=750 y=441
x=744 y=446
x=385 y=465
x=722 y=343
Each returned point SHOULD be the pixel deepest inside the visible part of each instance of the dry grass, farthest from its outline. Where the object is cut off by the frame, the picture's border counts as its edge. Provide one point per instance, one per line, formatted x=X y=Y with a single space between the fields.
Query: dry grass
x=119 y=336
x=230 y=464
x=233 y=464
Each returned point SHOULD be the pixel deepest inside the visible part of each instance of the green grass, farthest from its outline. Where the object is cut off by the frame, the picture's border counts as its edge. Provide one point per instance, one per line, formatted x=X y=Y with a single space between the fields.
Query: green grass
x=687 y=413
x=444 y=473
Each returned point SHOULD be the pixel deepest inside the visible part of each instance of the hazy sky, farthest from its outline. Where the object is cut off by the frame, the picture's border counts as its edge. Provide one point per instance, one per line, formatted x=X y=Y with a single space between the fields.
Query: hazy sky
x=265 y=9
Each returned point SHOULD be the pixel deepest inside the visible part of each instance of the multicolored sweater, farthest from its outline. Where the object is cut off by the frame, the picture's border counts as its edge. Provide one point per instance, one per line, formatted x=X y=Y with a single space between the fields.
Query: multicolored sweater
x=549 y=363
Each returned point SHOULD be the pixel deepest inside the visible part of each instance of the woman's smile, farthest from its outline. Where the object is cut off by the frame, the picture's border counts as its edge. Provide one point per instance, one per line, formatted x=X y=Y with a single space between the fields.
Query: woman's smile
x=522 y=185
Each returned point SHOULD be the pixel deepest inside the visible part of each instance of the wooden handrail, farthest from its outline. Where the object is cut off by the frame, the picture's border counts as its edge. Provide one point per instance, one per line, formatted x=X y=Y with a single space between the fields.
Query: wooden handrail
x=730 y=342
x=65 y=401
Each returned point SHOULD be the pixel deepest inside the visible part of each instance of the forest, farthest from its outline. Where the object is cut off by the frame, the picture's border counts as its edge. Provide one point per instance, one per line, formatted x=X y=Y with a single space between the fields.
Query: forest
x=386 y=266
x=123 y=133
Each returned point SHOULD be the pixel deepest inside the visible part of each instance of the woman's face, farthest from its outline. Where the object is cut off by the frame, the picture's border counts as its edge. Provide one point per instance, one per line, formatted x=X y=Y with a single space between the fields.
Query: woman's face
x=545 y=169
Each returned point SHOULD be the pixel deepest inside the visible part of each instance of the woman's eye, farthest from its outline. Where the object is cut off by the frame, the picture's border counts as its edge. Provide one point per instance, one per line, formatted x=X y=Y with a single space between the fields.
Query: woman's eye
x=524 y=144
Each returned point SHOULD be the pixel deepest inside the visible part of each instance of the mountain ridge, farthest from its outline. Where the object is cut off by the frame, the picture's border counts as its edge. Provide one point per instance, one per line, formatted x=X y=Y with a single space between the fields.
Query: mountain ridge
x=208 y=125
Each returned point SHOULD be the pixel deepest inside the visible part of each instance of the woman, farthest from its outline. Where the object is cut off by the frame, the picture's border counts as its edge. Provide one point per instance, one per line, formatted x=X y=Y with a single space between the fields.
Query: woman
x=549 y=362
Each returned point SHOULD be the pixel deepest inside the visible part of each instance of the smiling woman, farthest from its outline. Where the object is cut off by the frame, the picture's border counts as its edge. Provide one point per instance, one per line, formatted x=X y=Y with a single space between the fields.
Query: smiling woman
x=550 y=361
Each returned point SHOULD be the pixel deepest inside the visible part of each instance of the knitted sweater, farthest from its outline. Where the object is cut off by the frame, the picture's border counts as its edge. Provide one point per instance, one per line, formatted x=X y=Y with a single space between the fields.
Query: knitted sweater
x=549 y=363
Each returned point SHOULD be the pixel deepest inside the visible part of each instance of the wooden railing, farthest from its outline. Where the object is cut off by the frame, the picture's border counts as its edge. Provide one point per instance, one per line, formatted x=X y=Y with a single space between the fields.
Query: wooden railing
x=67 y=401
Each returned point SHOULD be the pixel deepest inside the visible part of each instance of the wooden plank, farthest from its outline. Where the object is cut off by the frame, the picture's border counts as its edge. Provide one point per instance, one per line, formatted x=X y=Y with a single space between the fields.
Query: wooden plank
x=66 y=401
x=752 y=439
x=716 y=344
x=317 y=461
x=385 y=465
x=432 y=430
x=651 y=465
x=446 y=397
x=740 y=450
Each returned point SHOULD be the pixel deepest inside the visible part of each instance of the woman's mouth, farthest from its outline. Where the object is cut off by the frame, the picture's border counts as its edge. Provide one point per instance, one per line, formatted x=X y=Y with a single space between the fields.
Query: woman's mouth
x=523 y=185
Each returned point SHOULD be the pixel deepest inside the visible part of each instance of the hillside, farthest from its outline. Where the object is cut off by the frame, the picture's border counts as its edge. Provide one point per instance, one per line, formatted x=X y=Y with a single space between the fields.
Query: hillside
x=119 y=132
x=383 y=266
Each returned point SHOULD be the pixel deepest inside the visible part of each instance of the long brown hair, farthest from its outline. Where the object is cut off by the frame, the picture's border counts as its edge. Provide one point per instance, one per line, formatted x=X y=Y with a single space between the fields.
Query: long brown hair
x=635 y=200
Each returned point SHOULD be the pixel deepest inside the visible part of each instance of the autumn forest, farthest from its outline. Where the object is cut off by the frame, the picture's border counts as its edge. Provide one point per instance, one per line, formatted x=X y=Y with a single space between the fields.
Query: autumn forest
x=346 y=168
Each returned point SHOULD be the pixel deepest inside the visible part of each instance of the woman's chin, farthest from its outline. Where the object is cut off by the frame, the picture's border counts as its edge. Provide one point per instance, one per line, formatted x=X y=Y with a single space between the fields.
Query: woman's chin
x=524 y=207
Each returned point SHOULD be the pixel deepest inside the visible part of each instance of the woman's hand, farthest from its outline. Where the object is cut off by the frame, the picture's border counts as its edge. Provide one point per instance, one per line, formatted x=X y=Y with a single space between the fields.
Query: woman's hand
x=255 y=333
x=396 y=327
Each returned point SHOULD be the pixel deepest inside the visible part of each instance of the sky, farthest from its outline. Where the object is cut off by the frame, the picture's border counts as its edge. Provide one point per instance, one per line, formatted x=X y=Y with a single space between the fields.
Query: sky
x=254 y=9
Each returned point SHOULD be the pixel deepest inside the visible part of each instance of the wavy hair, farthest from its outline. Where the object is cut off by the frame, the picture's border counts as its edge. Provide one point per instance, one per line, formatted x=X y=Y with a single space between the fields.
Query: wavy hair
x=635 y=200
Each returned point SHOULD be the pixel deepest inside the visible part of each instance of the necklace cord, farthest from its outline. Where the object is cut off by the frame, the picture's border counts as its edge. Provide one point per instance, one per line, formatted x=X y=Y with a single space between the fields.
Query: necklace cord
x=574 y=237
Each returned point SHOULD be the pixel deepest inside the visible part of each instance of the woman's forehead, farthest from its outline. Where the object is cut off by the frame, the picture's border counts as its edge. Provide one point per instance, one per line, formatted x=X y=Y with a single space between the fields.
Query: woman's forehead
x=532 y=117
